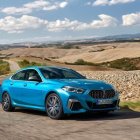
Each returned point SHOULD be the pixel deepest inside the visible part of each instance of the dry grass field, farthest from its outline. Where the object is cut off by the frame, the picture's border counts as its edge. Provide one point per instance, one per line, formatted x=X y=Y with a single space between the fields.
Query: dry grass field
x=92 y=53
x=127 y=83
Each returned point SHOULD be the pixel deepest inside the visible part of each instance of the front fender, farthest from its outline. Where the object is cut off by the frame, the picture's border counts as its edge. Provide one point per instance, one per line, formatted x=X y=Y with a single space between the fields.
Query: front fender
x=64 y=96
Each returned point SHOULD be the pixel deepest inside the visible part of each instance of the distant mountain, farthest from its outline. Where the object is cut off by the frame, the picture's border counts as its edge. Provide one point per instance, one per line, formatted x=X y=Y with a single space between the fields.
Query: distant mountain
x=122 y=37
x=7 y=46
x=114 y=38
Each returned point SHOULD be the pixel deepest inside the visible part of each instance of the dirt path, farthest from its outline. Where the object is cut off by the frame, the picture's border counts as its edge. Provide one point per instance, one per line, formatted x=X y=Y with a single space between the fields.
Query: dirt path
x=13 y=65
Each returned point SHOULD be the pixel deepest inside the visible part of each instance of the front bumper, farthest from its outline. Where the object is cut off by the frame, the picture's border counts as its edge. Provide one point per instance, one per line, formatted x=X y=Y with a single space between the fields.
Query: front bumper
x=76 y=106
x=77 y=103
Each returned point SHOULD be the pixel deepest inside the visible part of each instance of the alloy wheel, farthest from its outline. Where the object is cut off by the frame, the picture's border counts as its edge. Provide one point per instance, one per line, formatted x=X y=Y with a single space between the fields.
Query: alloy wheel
x=54 y=107
x=5 y=101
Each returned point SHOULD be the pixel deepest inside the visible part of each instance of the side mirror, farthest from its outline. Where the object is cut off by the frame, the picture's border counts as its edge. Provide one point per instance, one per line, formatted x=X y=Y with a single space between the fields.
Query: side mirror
x=34 y=78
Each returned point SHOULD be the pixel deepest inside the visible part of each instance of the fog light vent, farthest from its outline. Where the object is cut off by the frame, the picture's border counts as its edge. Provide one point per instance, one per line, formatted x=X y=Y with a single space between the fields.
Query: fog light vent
x=74 y=105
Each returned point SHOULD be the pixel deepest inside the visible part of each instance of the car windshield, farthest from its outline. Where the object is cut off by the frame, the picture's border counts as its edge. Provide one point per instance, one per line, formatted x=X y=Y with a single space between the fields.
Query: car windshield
x=57 y=73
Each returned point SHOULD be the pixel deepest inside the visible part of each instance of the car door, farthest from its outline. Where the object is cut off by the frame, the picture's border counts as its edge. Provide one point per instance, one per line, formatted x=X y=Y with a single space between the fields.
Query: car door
x=16 y=86
x=33 y=89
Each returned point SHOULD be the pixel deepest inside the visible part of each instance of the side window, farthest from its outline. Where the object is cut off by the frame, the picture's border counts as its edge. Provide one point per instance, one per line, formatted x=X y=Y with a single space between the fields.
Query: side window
x=32 y=75
x=68 y=75
x=19 y=76
x=50 y=74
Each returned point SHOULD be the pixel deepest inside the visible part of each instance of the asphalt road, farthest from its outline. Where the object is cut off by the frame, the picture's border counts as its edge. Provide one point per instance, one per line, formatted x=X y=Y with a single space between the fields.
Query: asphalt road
x=34 y=125
x=27 y=124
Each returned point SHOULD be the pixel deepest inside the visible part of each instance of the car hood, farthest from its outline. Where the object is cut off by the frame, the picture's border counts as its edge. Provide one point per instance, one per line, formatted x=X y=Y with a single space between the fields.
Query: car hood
x=85 y=83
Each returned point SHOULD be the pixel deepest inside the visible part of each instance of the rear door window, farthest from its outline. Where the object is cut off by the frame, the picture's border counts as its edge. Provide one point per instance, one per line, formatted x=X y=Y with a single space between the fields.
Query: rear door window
x=32 y=72
x=19 y=76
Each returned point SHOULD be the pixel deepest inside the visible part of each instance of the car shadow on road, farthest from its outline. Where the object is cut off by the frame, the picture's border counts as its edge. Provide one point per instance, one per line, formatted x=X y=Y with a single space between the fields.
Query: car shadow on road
x=117 y=115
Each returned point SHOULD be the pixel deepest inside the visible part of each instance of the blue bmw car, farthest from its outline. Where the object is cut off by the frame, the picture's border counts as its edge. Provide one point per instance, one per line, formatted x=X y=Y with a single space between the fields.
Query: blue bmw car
x=57 y=91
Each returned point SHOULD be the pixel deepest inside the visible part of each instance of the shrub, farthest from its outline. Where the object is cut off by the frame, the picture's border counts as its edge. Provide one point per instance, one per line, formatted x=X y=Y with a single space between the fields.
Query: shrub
x=124 y=64
x=4 y=67
x=68 y=46
x=82 y=62
x=26 y=63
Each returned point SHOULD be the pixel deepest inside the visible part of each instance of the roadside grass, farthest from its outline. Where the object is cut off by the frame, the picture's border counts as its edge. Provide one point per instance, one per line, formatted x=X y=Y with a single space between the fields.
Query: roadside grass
x=4 y=67
x=26 y=63
x=126 y=64
x=130 y=105
x=82 y=62
x=68 y=46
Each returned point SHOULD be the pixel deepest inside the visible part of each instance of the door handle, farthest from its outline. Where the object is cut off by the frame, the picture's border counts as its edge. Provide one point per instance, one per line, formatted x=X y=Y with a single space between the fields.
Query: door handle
x=11 y=84
x=25 y=85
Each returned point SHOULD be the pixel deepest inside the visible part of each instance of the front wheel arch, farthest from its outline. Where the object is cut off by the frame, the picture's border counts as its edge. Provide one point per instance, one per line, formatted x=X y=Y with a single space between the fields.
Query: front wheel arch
x=48 y=95
x=50 y=92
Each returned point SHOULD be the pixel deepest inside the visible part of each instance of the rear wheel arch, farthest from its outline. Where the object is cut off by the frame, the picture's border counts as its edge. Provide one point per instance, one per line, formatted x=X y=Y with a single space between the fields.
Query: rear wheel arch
x=6 y=91
x=9 y=102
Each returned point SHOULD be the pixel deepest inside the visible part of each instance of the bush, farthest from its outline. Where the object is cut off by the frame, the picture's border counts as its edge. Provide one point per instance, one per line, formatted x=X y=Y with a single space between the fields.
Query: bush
x=82 y=62
x=124 y=64
x=69 y=46
x=130 y=105
x=26 y=63
x=4 y=67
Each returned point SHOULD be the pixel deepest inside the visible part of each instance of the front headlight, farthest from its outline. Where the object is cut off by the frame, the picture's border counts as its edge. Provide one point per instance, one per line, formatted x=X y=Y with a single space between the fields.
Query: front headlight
x=73 y=89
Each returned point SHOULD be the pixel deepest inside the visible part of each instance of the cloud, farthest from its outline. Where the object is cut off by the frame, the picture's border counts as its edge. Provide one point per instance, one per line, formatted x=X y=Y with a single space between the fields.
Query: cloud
x=59 y=25
x=100 y=2
x=63 y=4
x=109 y=2
x=13 y=10
x=105 y=21
x=55 y=6
x=18 y=25
x=131 y=19
x=35 y=5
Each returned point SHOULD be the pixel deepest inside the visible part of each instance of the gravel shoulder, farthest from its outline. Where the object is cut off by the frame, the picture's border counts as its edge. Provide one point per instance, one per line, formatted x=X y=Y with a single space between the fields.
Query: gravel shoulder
x=126 y=82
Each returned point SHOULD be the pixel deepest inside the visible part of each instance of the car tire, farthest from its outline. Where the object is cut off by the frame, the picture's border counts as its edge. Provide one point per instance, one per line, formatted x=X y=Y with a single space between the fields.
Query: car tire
x=6 y=103
x=54 y=106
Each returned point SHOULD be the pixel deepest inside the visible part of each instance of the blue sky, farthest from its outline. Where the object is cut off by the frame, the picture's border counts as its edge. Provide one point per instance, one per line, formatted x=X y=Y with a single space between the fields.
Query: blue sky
x=50 y=20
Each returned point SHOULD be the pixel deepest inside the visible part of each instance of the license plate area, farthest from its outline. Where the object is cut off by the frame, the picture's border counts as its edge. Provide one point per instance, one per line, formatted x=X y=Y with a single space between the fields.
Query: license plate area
x=104 y=102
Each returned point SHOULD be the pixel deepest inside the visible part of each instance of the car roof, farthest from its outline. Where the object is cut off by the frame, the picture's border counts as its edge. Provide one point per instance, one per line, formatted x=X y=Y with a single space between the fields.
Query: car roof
x=43 y=67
